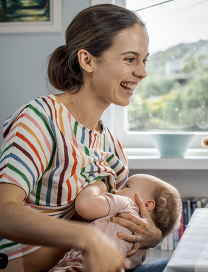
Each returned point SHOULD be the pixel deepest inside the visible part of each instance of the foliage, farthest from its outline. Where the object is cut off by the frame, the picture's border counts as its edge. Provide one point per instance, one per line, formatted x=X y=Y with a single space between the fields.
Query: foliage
x=168 y=102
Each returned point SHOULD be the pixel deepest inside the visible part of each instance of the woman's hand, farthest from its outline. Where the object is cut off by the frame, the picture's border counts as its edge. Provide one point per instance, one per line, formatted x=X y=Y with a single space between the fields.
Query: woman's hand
x=144 y=227
x=101 y=254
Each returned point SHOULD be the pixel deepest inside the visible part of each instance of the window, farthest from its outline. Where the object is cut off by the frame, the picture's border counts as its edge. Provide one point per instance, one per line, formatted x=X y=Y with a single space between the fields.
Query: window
x=174 y=96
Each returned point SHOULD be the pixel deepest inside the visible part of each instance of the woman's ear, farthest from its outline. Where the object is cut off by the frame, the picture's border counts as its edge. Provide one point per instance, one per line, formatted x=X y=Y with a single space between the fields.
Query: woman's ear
x=85 y=60
x=150 y=204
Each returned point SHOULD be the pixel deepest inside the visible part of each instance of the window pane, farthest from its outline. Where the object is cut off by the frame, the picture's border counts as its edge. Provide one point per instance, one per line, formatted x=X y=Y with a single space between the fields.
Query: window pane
x=174 y=96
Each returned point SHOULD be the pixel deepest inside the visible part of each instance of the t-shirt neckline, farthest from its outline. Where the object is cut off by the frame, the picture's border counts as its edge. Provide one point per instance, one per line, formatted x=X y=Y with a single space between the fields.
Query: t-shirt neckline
x=72 y=117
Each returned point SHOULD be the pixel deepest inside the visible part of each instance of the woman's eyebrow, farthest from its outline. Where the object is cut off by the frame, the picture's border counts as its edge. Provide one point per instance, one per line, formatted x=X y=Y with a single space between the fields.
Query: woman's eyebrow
x=134 y=53
x=131 y=52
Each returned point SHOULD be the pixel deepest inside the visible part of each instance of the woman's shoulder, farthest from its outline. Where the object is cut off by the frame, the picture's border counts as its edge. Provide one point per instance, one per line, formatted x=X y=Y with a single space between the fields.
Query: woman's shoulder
x=41 y=108
x=45 y=104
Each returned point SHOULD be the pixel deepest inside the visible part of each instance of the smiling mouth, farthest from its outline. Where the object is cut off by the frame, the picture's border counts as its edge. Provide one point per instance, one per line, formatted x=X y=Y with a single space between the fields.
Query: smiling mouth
x=128 y=87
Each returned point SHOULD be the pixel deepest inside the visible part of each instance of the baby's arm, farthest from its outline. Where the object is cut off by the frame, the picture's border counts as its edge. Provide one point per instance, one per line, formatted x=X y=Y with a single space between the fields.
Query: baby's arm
x=90 y=204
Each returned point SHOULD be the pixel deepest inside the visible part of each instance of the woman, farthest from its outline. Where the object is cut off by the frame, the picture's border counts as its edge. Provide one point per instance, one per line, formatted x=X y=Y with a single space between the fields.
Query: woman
x=54 y=146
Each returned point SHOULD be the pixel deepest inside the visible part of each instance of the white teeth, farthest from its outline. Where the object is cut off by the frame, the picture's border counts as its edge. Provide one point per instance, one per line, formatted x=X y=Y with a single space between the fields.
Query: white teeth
x=131 y=86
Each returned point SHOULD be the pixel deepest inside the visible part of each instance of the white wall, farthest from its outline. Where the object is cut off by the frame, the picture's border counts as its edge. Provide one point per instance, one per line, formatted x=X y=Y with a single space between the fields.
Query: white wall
x=22 y=57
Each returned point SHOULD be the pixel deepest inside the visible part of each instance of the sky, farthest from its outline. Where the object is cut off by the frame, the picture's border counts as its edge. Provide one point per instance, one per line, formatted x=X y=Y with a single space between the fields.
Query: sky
x=178 y=21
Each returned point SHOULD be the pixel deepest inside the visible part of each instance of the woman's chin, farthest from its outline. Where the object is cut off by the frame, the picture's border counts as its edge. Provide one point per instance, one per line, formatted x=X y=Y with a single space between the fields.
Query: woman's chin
x=123 y=103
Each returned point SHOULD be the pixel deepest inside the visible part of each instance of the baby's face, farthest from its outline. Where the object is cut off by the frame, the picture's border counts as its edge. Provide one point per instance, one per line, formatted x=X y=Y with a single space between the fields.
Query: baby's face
x=137 y=184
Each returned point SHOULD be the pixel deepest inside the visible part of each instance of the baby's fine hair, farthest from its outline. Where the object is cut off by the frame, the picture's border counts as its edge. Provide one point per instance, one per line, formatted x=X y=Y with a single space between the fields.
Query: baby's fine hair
x=168 y=208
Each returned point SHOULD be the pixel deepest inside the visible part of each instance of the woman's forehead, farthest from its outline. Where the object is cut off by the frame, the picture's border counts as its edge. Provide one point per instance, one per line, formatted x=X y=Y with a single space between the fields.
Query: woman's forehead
x=132 y=37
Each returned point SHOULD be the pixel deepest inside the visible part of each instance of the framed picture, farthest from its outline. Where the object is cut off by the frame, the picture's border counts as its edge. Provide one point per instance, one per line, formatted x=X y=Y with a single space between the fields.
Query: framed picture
x=18 y=16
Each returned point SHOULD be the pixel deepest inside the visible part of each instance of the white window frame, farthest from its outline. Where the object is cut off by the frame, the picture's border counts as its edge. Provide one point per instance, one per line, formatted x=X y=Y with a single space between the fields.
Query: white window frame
x=115 y=118
x=142 y=139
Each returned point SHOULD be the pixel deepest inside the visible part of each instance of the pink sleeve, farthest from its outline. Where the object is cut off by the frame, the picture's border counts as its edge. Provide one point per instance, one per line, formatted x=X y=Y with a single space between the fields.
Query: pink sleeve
x=119 y=203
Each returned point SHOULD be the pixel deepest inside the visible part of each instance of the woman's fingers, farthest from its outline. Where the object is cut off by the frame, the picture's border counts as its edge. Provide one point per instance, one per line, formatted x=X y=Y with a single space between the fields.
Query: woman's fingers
x=129 y=221
x=143 y=226
x=130 y=238
x=143 y=212
x=133 y=250
x=129 y=216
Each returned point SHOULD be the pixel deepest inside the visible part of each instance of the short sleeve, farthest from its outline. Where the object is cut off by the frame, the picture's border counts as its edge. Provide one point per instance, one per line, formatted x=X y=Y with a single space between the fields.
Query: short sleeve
x=119 y=203
x=27 y=148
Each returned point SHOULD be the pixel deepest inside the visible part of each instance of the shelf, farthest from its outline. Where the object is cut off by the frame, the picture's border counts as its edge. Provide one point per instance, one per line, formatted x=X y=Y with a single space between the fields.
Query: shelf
x=154 y=254
x=139 y=158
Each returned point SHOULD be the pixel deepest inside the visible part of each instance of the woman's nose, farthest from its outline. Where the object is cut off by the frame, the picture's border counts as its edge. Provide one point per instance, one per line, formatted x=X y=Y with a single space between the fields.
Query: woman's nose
x=140 y=71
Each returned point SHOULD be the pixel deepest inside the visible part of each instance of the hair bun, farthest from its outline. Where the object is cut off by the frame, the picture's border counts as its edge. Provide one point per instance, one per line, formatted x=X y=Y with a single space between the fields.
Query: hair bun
x=58 y=71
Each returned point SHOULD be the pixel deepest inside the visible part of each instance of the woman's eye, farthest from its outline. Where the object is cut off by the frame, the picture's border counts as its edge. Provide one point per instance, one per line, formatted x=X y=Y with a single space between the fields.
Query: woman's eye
x=145 y=60
x=126 y=185
x=130 y=60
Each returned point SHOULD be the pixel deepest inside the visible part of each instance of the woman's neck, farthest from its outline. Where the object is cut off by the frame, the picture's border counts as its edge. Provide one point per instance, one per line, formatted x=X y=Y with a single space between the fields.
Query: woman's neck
x=83 y=107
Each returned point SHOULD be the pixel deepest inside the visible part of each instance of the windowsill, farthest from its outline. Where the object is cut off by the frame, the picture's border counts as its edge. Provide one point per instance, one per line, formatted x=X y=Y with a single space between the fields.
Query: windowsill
x=148 y=158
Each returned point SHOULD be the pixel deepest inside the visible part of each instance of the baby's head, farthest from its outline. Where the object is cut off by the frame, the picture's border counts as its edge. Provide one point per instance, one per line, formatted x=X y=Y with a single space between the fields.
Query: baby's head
x=161 y=199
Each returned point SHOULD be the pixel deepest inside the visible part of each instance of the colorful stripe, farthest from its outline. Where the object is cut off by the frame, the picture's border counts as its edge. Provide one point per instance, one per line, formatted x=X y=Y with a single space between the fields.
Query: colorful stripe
x=52 y=158
x=32 y=147
x=50 y=181
x=7 y=130
x=41 y=131
x=69 y=198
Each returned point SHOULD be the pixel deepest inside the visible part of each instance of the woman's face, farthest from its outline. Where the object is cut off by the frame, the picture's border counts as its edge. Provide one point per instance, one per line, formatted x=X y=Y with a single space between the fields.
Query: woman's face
x=117 y=73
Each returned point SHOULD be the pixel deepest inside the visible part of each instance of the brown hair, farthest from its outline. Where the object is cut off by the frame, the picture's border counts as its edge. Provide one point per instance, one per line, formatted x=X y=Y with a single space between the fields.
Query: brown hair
x=93 y=29
x=168 y=208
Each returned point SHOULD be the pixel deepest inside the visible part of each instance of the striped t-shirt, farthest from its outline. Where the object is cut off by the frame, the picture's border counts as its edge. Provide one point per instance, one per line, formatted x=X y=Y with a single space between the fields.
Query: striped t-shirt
x=52 y=158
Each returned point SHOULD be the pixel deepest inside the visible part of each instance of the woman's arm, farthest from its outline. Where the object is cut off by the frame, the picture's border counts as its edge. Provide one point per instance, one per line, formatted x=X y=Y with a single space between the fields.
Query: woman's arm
x=90 y=204
x=21 y=224
x=144 y=226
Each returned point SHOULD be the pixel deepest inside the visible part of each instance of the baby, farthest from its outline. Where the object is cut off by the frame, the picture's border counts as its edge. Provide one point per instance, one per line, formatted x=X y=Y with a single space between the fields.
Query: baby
x=162 y=201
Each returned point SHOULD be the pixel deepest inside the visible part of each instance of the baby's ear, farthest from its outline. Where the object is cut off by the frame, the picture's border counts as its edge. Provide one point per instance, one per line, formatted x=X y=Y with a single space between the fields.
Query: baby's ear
x=150 y=204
